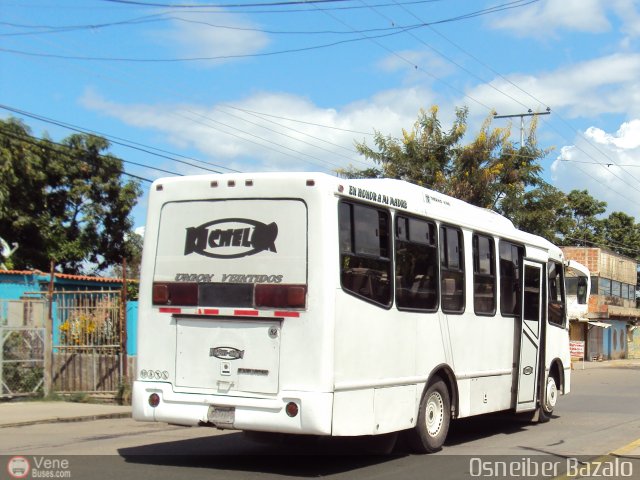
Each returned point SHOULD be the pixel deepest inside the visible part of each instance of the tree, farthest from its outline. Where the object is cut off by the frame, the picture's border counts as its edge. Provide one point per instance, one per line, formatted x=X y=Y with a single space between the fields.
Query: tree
x=585 y=229
x=622 y=234
x=63 y=201
x=422 y=156
x=489 y=172
x=541 y=211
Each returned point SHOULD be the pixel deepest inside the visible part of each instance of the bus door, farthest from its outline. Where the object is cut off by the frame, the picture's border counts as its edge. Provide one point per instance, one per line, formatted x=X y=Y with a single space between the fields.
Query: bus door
x=530 y=341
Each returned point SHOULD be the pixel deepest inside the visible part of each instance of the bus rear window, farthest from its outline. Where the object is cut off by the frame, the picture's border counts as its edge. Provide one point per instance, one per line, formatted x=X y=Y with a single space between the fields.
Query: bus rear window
x=365 y=264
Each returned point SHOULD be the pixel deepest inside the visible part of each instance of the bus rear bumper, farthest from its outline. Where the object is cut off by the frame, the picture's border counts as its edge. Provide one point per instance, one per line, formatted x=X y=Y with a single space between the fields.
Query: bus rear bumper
x=259 y=414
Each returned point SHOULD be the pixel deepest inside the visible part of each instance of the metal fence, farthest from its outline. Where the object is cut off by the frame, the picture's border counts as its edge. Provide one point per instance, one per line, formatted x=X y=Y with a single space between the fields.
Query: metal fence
x=87 y=354
x=81 y=349
x=22 y=346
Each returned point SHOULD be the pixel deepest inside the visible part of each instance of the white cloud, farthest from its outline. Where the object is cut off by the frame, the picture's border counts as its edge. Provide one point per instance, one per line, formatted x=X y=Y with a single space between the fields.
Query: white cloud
x=549 y=16
x=605 y=85
x=235 y=135
x=206 y=35
x=408 y=60
x=606 y=164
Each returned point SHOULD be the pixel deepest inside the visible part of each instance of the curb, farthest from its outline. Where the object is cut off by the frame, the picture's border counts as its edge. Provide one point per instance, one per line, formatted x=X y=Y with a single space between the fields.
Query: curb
x=85 y=418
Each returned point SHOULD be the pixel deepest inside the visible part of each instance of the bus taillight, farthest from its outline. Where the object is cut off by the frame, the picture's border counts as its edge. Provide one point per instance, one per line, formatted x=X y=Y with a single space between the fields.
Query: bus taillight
x=185 y=294
x=280 y=296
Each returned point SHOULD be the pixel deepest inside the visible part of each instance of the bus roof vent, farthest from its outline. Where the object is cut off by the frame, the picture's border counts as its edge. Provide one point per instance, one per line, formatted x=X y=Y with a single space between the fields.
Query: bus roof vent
x=248 y=183
x=311 y=182
x=214 y=184
x=231 y=183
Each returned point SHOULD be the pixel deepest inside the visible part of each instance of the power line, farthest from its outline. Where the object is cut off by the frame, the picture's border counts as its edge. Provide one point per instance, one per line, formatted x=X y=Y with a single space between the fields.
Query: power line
x=263 y=114
x=520 y=89
x=292 y=137
x=498 y=8
x=611 y=245
x=222 y=5
x=118 y=141
x=31 y=141
x=362 y=37
x=195 y=59
x=450 y=60
x=237 y=7
x=163 y=17
x=211 y=120
x=598 y=163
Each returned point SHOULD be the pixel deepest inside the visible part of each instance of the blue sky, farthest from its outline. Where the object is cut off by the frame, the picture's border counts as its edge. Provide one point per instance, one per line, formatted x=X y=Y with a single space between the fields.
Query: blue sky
x=291 y=87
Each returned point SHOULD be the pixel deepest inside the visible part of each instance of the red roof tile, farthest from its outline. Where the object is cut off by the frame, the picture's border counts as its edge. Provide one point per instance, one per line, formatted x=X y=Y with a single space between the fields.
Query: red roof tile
x=66 y=276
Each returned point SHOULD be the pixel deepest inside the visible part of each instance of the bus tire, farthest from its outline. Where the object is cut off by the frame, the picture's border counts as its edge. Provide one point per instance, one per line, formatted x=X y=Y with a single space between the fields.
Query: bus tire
x=434 y=416
x=548 y=400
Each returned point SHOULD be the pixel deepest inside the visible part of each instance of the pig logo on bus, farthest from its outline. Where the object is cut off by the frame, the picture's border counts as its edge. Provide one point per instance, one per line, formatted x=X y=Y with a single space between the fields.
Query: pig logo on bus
x=231 y=238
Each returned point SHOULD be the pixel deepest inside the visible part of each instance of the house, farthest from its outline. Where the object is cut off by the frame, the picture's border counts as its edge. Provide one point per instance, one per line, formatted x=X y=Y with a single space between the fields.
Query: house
x=609 y=329
x=86 y=335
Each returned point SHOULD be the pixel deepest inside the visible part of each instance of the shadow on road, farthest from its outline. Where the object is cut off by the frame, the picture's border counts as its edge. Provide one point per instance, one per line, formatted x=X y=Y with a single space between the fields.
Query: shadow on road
x=300 y=456
x=485 y=426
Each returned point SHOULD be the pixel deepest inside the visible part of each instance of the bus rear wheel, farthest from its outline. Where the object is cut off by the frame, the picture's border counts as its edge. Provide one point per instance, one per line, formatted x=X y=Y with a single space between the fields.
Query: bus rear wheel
x=548 y=400
x=434 y=417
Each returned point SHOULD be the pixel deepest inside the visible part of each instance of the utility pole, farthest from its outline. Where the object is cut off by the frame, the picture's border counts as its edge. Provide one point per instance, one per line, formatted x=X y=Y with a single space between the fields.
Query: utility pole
x=48 y=335
x=529 y=113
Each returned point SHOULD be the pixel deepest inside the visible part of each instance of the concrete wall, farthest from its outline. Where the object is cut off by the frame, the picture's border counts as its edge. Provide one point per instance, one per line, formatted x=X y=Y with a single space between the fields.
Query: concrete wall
x=615 y=340
x=633 y=344
x=12 y=287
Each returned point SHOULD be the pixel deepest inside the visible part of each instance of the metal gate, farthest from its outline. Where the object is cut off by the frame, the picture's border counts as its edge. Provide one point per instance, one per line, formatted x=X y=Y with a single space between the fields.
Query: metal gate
x=87 y=339
x=22 y=334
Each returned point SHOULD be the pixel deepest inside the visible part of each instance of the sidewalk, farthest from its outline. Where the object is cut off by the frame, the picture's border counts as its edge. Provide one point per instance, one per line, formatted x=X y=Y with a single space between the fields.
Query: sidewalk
x=17 y=414
x=624 y=363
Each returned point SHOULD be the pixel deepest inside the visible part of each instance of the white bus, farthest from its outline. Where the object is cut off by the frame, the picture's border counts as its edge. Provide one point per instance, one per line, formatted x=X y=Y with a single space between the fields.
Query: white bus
x=308 y=304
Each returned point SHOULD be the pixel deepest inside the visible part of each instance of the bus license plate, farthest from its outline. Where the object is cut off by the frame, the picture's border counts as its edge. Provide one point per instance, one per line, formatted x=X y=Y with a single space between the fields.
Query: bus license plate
x=221 y=416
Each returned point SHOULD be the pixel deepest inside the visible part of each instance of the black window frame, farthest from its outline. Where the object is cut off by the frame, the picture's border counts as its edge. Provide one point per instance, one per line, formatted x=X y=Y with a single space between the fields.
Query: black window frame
x=552 y=305
x=446 y=271
x=517 y=279
x=477 y=274
x=433 y=244
x=348 y=250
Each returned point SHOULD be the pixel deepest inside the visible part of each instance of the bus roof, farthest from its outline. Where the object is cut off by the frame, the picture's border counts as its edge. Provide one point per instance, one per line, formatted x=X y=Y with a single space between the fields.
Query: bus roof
x=398 y=194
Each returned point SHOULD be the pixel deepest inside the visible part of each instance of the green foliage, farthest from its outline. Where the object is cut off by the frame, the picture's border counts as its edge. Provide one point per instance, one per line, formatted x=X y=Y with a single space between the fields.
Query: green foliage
x=483 y=173
x=20 y=375
x=422 y=156
x=585 y=229
x=491 y=172
x=540 y=210
x=65 y=202
x=133 y=254
x=623 y=234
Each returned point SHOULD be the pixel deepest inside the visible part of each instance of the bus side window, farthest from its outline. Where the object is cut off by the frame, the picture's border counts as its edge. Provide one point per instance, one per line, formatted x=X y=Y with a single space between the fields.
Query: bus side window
x=416 y=264
x=365 y=264
x=510 y=264
x=452 y=270
x=556 y=306
x=484 y=275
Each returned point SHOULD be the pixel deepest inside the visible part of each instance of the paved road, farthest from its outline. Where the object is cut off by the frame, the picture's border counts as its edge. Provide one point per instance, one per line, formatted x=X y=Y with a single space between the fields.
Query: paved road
x=601 y=415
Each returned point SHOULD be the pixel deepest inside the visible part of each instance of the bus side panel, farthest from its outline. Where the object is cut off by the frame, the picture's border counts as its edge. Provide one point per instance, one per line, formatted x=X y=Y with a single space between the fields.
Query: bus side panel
x=558 y=342
x=482 y=352
x=382 y=358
